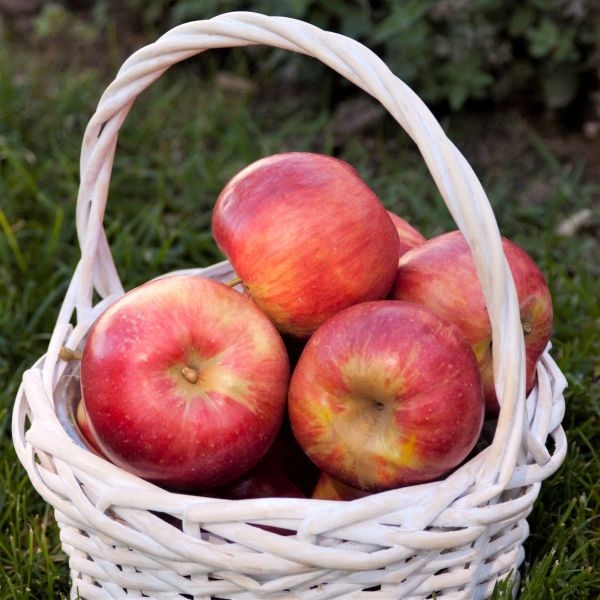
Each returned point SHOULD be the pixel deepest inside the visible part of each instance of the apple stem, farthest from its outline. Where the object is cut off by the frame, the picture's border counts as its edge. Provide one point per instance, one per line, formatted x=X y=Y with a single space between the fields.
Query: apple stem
x=190 y=374
x=527 y=328
x=233 y=282
x=67 y=354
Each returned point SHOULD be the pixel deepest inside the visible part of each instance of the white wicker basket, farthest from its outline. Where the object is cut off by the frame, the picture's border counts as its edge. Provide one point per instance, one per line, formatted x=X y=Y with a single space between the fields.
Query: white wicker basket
x=453 y=538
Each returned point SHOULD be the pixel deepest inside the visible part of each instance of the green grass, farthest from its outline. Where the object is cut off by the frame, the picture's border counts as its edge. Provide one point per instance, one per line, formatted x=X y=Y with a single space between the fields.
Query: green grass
x=170 y=167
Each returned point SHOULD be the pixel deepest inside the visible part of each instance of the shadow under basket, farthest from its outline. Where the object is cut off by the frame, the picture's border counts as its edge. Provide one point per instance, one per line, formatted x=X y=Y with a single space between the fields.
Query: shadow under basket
x=453 y=538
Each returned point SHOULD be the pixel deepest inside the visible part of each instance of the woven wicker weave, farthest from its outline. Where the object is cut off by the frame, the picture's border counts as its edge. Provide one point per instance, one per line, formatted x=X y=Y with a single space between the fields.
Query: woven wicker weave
x=128 y=538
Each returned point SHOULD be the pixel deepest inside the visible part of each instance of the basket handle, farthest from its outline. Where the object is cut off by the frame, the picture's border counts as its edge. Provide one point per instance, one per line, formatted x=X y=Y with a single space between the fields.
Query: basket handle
x=457 y=183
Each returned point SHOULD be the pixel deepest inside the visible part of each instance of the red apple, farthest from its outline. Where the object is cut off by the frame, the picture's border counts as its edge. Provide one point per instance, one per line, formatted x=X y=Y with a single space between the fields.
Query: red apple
x=386 y=394
x=441 y=275
x=184 y=382
x=284 y=471
x=287 y=457
x=409 y=236
x=307 y=236
x=259 y=482
x=328 y=488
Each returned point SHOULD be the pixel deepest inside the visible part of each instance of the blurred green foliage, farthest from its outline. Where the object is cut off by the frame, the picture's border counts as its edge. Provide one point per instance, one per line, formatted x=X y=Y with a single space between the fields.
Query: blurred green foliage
x=449 y=51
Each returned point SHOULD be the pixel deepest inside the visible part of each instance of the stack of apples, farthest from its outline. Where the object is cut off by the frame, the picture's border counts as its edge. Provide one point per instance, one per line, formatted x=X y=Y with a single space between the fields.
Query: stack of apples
x=353 y=357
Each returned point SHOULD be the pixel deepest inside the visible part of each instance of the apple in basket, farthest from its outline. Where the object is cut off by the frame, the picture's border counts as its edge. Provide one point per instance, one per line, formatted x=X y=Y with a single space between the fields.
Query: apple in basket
x=328 y=488
x=260 y=482
x=83 y=424
x=184 y=381
x=409 y=236
x=441 y=275
x=286 y=456
x=307 y=237
x=386 y=394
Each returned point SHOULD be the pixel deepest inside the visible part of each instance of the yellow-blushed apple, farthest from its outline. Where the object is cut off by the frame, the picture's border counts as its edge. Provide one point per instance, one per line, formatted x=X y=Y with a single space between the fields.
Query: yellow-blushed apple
x=328 y=488
x=82 y=421
x=386 y=394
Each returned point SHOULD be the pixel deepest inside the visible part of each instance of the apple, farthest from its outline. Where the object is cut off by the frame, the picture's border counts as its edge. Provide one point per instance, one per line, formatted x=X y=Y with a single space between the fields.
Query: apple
x=285 y=456
x=409 y=236
x=284 y=471
x=83 y=424
x=184 y=381
x=259 y=482
x=386 y=394
x=307 y=237
x=328 y=488
x=441 y=275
